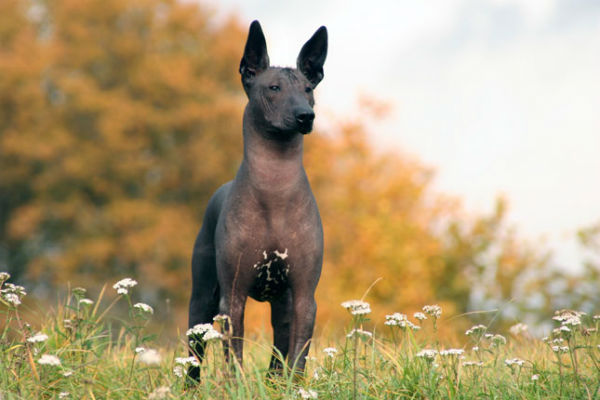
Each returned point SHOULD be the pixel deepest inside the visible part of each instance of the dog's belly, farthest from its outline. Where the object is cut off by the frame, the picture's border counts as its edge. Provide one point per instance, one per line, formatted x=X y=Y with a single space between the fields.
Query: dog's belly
x=270 y=275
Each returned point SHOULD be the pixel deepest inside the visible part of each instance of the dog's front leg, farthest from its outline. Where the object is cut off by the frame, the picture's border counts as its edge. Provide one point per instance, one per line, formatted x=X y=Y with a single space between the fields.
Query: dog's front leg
x=233 y=305
x=303 y=322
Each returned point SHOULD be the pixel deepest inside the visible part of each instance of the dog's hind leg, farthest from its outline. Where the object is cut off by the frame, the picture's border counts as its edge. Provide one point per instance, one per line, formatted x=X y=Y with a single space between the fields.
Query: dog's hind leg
x=204 y=303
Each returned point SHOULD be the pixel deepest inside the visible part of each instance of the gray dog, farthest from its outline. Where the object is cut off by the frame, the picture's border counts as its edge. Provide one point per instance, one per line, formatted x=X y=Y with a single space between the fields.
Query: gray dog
x=262 y=235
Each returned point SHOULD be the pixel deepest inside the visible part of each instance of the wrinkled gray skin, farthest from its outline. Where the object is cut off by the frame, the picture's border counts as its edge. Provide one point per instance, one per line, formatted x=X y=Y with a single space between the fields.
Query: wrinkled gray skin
x=262 y=235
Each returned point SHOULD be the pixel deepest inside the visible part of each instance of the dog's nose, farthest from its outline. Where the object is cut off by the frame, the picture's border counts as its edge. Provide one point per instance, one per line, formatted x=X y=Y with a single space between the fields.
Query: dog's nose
x=305 y=117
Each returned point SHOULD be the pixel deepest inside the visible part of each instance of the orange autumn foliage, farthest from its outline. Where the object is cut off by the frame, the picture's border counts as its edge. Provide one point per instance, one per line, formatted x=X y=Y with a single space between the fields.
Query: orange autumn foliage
x=119 y=119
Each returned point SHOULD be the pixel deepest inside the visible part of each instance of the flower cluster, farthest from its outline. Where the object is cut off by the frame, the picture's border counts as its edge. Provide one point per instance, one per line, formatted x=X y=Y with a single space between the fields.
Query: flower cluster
x=514 y=361
x=4 y=276
x=420 y=316
x=357 y=307
x=86 y=302
x=472 y=364
x=433 y=311
x=397 y=319
x=568 y=317
x=496 y=340
x=38 y=338
x=428 y=354
x=122 y=287
x=150 y=357
x=143 y=307
x=451 y=352
x=48 y=359
x=476 y=330
x=307 y=394
x=330 y=351
x=360 y=333
x=204 y=332
x=11 y=293
x=518 y=329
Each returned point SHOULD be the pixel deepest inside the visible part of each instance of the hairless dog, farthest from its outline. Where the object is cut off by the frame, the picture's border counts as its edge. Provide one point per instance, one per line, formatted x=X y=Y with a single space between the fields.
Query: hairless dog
x=262 y=235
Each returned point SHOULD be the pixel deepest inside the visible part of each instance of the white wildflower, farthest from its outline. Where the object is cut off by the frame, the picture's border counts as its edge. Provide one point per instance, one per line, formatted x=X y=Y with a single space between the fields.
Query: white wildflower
x=178 y=371
x=472 y=364
x=307 y=394
x=48 y=359
x=16 y=289
x=359 y=333
x=63 y=395
x=518 y=329
x=434 y=310
x=535 y=377
x=160 y=393
x=86 y=302
x=316 y=374
x=67 y=373
x=12 y=298
x=475 y=348
x=221 y=318
x=498 y=340
x=150 y=357
x=420 y=316
x=568 y=317
x=187 y=360
x=199 y=330
x=476 y=330
x=330 y=351
x=143 y=307
x=514 y=361
x=560 y=349
x=451 y=352
x=139 y=350
x=357 y=307
x=596 y=317
x=205 y=332
x=428 y=354
x=38 y=338
x=212 y=335
x=122 y=287
x=397 y=319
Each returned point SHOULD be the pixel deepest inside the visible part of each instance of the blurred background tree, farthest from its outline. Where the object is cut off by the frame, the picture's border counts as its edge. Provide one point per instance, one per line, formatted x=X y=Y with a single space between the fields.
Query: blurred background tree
x=119 y=119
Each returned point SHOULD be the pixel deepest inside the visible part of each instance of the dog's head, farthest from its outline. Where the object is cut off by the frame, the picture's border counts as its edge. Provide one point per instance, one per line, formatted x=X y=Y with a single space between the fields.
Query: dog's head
x=281 y=99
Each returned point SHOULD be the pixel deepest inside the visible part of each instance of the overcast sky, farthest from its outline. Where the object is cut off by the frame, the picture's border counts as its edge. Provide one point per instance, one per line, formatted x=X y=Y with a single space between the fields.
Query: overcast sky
x=499 y=96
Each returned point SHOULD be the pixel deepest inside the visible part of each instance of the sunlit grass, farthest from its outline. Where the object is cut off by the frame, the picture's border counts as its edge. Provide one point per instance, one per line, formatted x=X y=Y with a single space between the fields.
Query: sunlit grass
x=76 y=353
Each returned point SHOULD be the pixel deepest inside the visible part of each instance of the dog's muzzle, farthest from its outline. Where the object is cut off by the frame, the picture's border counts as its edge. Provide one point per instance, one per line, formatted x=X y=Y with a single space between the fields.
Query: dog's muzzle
x=305 y=121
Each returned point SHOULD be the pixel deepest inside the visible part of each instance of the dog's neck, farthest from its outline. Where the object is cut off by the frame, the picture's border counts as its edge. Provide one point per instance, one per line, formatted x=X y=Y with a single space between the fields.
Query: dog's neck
x=271 y=164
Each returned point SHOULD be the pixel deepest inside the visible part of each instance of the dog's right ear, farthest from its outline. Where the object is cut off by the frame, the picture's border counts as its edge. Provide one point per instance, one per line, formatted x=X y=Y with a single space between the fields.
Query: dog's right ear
x=255 y=59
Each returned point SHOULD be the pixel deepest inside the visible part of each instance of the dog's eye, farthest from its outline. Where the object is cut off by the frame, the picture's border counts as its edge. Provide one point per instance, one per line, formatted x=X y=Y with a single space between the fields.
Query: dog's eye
x=308 y=89
x=275 y=88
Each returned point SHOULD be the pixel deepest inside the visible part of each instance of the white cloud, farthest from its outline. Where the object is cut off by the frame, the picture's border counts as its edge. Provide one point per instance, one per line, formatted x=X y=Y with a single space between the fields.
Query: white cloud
x=500 y=95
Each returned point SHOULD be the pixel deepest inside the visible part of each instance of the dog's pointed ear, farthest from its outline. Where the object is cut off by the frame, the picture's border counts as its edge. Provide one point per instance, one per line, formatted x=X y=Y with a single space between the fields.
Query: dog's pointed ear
x=255 y=58
x=312 y=56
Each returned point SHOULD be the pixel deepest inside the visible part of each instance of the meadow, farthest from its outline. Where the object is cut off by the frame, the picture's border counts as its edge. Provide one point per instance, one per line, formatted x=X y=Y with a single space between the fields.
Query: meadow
x=79 y=350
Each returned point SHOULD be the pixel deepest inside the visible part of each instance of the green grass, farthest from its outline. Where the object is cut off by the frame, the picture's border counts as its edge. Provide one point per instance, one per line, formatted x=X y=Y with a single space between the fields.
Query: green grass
x=99 y=362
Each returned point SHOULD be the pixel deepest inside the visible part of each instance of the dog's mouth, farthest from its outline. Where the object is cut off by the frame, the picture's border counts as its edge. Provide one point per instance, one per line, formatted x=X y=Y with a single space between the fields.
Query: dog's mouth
x=305 y=128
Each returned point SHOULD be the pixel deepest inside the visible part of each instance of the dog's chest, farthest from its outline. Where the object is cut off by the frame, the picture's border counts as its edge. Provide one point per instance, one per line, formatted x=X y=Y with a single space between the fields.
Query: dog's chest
x=270 y=275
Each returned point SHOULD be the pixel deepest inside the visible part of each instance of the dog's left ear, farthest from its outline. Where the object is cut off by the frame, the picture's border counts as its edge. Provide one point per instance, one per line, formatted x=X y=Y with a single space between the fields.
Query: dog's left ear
x=312 y=56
